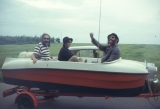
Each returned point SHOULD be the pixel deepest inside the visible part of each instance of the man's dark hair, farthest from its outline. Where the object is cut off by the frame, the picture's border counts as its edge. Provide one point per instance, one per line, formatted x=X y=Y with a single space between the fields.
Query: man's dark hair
x=42 y=36
x=66 y=39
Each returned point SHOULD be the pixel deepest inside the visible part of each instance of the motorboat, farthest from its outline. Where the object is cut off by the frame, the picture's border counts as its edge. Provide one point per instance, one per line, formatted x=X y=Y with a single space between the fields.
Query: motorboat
x=121 y=77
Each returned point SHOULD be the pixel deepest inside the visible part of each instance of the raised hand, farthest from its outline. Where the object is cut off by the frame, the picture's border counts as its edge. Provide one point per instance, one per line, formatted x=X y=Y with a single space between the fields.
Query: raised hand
x=91 y=35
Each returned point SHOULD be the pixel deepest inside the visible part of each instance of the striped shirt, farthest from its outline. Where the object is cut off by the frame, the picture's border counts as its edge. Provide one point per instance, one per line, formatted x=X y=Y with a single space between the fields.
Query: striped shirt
x=42 y=52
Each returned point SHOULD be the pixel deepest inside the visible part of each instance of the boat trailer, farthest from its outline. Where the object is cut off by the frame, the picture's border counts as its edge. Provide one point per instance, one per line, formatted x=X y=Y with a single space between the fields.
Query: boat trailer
x=27 y=97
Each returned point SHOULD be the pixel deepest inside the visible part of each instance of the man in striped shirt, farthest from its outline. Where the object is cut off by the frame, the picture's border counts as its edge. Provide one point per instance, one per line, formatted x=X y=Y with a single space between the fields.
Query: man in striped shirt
x=41 y=51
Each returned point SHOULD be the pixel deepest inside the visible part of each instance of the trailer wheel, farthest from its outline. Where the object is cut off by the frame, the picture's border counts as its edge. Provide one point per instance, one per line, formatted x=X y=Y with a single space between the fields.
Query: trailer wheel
x=25 y=102
x=48 y=97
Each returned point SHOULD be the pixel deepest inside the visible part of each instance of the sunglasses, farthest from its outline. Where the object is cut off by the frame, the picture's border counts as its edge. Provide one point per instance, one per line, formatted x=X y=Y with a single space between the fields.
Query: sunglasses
x=112 y=37
x=69 y=42
x=46 y=38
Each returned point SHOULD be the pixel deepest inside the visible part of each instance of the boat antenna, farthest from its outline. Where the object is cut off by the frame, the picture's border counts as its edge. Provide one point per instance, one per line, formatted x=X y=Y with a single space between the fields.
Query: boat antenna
x=99 y=21
x=99 y=27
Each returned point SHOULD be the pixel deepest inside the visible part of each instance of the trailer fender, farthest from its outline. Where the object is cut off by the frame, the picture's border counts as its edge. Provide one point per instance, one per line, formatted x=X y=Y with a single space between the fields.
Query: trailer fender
x=30 y=94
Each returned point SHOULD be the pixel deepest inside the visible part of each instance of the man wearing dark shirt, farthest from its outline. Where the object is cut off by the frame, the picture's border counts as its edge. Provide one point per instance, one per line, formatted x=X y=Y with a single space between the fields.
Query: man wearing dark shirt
x=65 y=54
x=111 y=52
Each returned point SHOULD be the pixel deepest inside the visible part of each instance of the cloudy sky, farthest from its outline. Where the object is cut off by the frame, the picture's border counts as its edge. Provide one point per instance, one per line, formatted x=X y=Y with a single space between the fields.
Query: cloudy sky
x=134 y=21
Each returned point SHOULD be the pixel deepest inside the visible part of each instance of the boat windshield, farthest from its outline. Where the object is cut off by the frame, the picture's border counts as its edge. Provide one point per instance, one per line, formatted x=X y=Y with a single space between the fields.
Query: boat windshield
x=87 y=53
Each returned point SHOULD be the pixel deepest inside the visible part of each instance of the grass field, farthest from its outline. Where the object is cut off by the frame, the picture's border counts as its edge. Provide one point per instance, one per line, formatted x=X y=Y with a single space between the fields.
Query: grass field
x=150 y=53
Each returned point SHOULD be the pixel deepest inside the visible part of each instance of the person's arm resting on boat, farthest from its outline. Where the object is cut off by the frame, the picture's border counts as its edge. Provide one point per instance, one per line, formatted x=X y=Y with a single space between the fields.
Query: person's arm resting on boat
x=36 y=54
x=33 y=57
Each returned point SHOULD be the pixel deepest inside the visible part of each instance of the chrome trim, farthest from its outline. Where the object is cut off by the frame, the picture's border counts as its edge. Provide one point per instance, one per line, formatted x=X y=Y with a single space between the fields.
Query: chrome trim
x=156 y=69
x=156 y=81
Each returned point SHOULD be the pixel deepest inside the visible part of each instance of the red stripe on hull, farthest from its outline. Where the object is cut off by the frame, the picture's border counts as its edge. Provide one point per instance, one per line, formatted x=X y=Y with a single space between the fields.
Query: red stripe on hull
x=108 y=80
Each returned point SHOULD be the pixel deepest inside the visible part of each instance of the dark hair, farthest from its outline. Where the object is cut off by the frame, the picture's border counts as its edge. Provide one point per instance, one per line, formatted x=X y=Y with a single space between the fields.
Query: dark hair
x=42 y=36
x=66 y=39
x=113 y=35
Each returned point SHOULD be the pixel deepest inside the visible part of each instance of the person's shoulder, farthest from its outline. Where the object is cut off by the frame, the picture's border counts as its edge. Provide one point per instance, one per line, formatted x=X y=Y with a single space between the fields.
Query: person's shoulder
x=40 y=44
x=62 y=49
x=117 y=48
x=65 y=50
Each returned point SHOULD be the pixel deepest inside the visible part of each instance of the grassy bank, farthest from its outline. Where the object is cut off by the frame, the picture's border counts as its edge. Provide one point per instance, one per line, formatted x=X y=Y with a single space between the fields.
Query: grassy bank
x=138 y=52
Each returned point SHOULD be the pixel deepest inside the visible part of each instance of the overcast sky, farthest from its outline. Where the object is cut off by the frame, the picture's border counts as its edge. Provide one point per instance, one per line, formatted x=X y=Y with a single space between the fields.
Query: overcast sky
x=134 y=21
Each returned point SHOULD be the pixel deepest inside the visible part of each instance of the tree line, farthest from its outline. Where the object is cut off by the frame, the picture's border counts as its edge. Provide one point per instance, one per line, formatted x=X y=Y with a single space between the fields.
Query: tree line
x=24 y=40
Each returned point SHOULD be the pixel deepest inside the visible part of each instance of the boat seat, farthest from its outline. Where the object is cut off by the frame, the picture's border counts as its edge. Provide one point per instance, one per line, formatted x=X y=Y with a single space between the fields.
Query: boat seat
x=29 y=54
x=25 y=54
